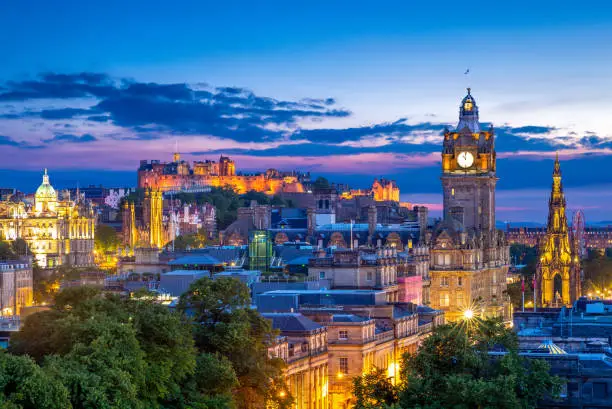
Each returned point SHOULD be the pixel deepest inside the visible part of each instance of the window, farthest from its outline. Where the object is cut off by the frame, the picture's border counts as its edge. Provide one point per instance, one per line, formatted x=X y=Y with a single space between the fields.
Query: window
x=600 y=390
x=343 y=365
x=460 y=299
x=459 y=281
x=321 y=275
x=444 y=300
x=343 y=334
x=444 y=281
x=369 y=276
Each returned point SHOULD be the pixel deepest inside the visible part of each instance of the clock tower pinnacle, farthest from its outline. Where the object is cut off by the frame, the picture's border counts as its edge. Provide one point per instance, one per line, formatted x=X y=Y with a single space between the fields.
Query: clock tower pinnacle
x=468 y=168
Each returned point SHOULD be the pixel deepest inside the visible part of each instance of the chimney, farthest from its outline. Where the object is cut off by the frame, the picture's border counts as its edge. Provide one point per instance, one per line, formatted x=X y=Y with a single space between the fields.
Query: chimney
x=311 y=221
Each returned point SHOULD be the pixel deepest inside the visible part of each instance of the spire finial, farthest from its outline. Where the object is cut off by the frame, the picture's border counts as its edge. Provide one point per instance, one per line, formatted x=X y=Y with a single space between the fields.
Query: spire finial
x=469 y=90
x=557 y=168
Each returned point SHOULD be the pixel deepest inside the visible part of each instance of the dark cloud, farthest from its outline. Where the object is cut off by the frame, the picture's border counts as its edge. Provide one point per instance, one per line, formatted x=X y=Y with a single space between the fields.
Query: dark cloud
x=59 y=86
x=70 y=138
x=226 y=112
x=8 y=141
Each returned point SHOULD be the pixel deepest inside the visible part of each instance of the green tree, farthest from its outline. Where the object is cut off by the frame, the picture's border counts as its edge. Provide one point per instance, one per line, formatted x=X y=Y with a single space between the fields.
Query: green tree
x=23 y=384
x=106 y=239
x=6 y=251
x=453 y=369
x=225 y=324
x=320 y=183
x=597 y=271
x=110 y=351
x=375 y=390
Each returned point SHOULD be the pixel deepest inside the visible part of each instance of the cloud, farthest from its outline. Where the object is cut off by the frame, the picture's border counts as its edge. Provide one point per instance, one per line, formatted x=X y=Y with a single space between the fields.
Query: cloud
x=8 y=141
x=227 y=112
x=69 y=138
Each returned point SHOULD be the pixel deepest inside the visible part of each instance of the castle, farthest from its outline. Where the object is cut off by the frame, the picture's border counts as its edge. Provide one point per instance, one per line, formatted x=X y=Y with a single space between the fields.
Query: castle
x=179 y=175
x=58 y=230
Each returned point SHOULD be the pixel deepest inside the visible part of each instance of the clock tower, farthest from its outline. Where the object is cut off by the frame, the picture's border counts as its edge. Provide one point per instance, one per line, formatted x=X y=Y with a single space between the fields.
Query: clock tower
x=468 y=169
x=469 y=257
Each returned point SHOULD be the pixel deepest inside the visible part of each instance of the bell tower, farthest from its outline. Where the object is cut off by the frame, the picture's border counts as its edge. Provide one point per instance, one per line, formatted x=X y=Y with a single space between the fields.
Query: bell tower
x=468 y=169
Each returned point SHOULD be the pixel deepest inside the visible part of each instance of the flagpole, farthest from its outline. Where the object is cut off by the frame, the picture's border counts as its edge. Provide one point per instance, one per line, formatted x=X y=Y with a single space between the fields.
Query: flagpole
x=523 y=291
x=534 y=294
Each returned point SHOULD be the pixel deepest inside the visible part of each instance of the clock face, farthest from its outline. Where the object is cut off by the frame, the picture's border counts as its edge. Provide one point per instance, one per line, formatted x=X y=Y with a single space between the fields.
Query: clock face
x=465 y=159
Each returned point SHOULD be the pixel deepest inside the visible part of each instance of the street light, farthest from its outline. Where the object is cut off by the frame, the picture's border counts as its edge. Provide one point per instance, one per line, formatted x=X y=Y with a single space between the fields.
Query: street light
x=468 y=314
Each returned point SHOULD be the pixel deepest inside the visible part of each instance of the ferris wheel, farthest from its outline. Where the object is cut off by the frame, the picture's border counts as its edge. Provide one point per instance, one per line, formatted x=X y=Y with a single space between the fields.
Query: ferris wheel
x=578 y=231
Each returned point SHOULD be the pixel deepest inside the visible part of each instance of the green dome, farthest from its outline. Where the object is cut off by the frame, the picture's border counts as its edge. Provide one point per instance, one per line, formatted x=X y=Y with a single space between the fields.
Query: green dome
x=45 y=190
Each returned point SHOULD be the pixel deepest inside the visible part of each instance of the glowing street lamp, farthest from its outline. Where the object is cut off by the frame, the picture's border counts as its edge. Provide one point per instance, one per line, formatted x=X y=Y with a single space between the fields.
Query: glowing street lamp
x=468 y=314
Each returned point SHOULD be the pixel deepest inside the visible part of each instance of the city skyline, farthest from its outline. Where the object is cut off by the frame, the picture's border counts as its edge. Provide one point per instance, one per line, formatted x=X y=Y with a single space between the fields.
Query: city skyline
x=342 y=98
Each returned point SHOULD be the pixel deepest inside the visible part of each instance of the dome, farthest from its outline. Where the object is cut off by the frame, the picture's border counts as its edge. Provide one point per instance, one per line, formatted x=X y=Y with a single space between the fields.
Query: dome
x=468 y=114
x=45 y=190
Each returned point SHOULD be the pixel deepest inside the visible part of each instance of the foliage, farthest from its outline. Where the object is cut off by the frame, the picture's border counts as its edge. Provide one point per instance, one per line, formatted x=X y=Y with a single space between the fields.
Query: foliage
x=109 y=351
x=106 y=239
x=6 y=251
x=526 y=255
x=320 y=183
x=225 y=324
x=14 y=249
x=453 y=369
x=47 y=282
x=192 y=241
x=23 y=384
x=597 y=271
x=374 y=390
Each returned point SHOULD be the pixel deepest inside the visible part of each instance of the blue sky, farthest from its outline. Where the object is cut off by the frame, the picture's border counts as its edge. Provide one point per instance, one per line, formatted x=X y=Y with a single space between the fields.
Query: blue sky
x=350 y=90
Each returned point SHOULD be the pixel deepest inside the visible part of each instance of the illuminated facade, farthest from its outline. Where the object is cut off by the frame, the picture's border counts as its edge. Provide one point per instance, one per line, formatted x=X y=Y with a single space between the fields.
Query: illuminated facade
x=16 y=283
x=382 y=190
x=58 y=230
x=179 y=174
x=469 y=257
x=147 y=229
x=558 y=270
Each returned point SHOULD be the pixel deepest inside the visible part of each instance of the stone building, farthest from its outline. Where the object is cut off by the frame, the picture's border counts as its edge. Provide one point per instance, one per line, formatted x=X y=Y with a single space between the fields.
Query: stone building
x=303 y=345
x=179 y=175
x=16 y=283
x=558 y=269
x=469 y=257
x=58 y=230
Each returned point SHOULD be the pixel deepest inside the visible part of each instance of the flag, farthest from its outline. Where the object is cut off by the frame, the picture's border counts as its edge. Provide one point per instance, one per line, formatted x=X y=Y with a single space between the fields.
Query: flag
x=522 y=284
x=534 y=282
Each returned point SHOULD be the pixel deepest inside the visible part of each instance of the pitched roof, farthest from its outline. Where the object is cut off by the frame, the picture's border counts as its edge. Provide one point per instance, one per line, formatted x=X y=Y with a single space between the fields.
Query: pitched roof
x=291 y=322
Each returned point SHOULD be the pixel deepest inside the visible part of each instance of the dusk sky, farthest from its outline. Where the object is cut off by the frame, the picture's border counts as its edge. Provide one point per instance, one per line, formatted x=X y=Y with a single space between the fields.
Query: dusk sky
x=349 y=90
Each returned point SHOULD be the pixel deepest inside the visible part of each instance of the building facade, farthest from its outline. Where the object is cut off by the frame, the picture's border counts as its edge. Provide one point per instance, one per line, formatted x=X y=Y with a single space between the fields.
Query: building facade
x=469 y=257
x=558 y=269
x=16 y=291
x=58 y=230
x=179 y=175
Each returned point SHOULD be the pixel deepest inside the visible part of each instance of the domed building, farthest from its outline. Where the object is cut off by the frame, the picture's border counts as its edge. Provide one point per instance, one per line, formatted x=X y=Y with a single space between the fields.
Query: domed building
x=469 y=257
x=58 y=231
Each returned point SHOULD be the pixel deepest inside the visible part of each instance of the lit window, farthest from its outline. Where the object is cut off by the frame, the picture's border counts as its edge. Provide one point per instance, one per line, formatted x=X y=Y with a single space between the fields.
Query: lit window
x=444 y=300
x=460 y=300
x=343 y=365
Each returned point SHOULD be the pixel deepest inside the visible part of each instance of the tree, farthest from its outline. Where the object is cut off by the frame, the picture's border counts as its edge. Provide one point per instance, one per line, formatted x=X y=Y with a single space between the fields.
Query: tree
x=106 y=239
x=224 y=324
x=453 y=369
x=320 y=183
x=374 y=390
x=23 y=384
x=110 y=351
x=6 y=251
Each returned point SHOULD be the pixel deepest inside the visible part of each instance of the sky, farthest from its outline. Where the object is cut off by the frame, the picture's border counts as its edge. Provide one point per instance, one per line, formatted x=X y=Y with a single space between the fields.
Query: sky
x=348 y=90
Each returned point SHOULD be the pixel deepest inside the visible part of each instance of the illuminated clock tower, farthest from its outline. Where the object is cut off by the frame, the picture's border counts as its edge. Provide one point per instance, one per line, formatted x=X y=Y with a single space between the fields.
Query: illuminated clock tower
x=468 y=169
